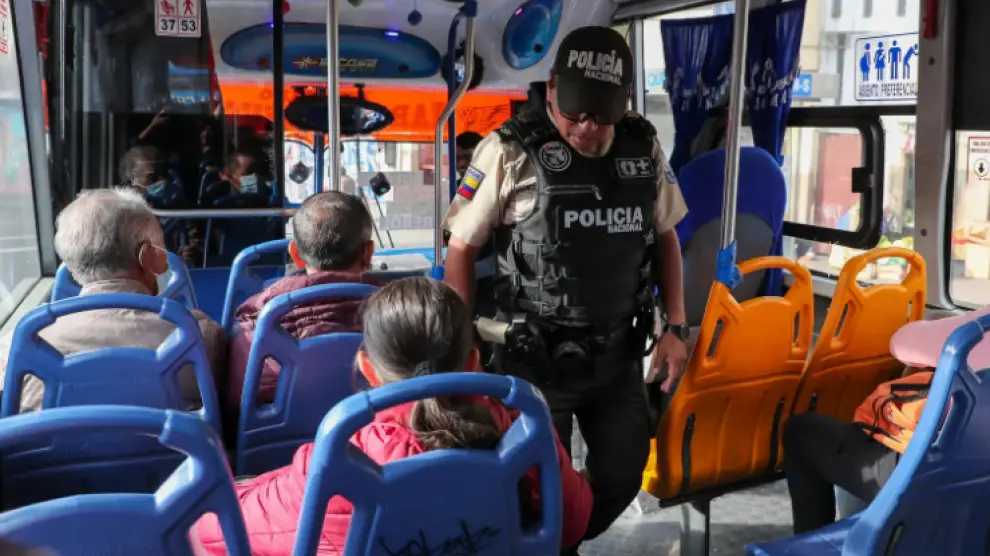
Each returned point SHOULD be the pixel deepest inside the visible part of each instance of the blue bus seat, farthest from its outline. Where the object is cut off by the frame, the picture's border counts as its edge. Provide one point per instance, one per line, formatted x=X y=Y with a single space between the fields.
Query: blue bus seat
x=701 y=259
x=209 y=178
x=179 y=286
x=110 y=376
x=315 y=374
x=242 y=283
x=437 y=495
x=760 y=203
x=276 y=196
x=146 y=524
x=935 y=501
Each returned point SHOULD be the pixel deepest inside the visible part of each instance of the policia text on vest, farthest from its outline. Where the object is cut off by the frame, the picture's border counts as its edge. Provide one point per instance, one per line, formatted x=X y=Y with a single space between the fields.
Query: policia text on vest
x=578 y=238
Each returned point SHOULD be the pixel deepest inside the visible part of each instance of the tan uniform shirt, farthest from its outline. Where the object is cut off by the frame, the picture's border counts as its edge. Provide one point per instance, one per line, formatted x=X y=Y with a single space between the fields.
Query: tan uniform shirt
x=506 y=192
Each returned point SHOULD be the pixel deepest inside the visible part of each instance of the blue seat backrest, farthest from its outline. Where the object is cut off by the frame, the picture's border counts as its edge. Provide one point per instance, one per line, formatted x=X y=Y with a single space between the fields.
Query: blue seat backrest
x=936 y=500
x=465 y=498
x=119 y=523
x=209 y=178
x=315 y=373
x=179 y=286
x=762 y=192
x=242 y=284
x=276 y=197
x=109 y=376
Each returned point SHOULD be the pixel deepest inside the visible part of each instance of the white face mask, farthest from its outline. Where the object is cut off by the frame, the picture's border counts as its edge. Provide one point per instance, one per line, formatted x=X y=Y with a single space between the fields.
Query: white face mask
x=249 y=184
x=161 y=280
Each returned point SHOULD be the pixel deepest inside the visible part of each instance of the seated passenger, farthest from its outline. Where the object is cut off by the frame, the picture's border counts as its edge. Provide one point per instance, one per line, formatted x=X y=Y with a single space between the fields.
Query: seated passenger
x=332 y=242
x=112 y=243
x=145 y=168
x=822 y=452
x=413 y=327
x=242 y=175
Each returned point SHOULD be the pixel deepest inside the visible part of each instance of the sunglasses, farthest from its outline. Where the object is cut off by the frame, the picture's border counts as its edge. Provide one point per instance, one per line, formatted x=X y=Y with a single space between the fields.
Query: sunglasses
x=598 y=119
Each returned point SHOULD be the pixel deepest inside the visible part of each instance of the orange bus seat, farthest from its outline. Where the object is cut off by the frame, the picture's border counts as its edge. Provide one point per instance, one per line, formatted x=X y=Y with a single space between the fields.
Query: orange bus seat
x=852 y=354
x=725 y=419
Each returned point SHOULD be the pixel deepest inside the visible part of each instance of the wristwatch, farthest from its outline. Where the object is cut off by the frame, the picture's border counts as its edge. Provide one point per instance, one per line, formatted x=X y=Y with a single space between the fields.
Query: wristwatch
x=682 y=331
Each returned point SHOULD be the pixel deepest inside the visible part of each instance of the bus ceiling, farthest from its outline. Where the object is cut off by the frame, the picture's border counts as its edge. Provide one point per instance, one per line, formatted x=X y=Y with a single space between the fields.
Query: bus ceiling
x=380 y=44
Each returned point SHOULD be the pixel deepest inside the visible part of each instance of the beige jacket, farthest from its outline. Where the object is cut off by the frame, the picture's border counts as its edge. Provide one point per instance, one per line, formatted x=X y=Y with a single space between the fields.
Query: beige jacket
x=93 y=330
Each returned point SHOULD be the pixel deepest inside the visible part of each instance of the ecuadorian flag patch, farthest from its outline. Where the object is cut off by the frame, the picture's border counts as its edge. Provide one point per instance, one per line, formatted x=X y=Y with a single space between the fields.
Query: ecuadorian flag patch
x=469 y=185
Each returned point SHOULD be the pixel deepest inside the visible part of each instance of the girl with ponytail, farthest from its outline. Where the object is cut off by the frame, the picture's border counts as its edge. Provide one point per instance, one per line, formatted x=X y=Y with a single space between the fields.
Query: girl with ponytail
x=412 y=327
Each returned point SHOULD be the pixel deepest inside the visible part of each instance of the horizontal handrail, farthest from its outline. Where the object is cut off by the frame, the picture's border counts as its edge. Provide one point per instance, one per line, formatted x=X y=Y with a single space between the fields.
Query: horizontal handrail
x=224 y=213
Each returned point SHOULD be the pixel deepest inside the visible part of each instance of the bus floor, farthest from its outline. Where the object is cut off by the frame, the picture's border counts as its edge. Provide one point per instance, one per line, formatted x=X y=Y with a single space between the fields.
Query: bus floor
x=737 y=519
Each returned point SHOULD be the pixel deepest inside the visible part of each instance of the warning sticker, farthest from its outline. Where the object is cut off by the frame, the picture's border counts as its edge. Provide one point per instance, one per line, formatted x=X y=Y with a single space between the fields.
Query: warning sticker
x=177 y=18
x=979 y=159
x=5 y=34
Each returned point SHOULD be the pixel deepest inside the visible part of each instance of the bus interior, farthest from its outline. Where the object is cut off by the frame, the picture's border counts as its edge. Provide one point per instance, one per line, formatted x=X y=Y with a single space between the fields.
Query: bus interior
x=873 y=214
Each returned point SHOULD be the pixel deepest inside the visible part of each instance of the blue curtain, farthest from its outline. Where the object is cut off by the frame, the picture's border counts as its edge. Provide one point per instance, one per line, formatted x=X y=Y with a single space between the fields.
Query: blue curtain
x=772 y=58
x=697 y=53
x=772 y=62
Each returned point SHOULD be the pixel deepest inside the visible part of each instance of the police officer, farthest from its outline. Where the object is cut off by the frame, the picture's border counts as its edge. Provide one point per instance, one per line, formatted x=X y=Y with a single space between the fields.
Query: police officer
x=582 y=207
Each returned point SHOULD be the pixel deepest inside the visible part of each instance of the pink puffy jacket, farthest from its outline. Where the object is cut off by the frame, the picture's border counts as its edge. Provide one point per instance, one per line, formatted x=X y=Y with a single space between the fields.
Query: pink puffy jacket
x=271 y=502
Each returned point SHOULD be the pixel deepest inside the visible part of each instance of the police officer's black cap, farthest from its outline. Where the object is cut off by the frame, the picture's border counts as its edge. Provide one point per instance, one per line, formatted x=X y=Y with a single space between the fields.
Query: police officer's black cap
x=593 y=72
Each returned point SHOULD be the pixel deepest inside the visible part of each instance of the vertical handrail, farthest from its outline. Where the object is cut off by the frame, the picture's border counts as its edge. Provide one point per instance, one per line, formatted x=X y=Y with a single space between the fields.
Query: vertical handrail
x=278 y=98
x=333 y=95
x=737 y=86
x=319 y=164
x=636 y=42
x=469 y=10
x=451 y=87
x=726 y=271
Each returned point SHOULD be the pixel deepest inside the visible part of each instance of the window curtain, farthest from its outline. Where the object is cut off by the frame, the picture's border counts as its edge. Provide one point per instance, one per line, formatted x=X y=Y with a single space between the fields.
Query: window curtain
x=772 y=61
x=697 y=54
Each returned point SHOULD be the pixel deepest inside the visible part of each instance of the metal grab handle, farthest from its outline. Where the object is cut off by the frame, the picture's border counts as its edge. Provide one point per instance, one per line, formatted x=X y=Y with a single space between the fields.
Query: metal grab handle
x=470 y=11
x=224 y=213
x=333 y=95
x=736 y=97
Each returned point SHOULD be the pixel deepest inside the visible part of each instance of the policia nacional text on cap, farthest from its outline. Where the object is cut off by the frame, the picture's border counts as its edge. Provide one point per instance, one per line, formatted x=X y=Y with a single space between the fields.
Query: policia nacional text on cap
x=582 y=207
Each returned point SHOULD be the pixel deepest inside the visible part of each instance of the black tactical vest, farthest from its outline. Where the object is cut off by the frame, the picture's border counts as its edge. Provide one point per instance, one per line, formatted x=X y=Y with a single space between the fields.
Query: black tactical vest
x=585 y=256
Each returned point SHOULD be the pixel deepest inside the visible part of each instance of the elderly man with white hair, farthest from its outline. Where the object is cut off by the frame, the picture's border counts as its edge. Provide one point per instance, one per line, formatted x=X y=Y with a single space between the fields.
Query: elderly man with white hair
x=112 y=243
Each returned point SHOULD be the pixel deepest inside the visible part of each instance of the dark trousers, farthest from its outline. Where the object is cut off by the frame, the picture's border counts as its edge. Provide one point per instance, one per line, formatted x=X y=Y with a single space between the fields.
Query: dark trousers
x=609 y=400
x=822 y=453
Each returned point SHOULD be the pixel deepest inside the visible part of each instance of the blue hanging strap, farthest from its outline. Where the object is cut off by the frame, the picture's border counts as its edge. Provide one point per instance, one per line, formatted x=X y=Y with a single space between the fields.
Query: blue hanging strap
x=437 y=272
x=726 y=270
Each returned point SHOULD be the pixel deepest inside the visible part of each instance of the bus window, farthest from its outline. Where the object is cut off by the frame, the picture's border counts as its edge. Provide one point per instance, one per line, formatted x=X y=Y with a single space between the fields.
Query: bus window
x=20 y=263
x=142 y=106
x=847 y=59
x=405 y=215
x=300 y=171
x=969 y=270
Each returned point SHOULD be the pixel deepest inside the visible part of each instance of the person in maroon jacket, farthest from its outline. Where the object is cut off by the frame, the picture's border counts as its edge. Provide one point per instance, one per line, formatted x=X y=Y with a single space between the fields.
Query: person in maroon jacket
x=332 y=242
x=413 y=327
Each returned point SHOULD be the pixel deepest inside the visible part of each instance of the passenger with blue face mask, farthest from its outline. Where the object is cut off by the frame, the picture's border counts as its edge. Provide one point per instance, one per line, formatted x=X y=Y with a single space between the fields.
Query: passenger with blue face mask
x=145 y=168
x=242 y=175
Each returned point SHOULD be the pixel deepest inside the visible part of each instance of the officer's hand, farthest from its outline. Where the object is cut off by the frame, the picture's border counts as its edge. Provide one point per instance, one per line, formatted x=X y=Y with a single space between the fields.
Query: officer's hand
x=672 y=352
